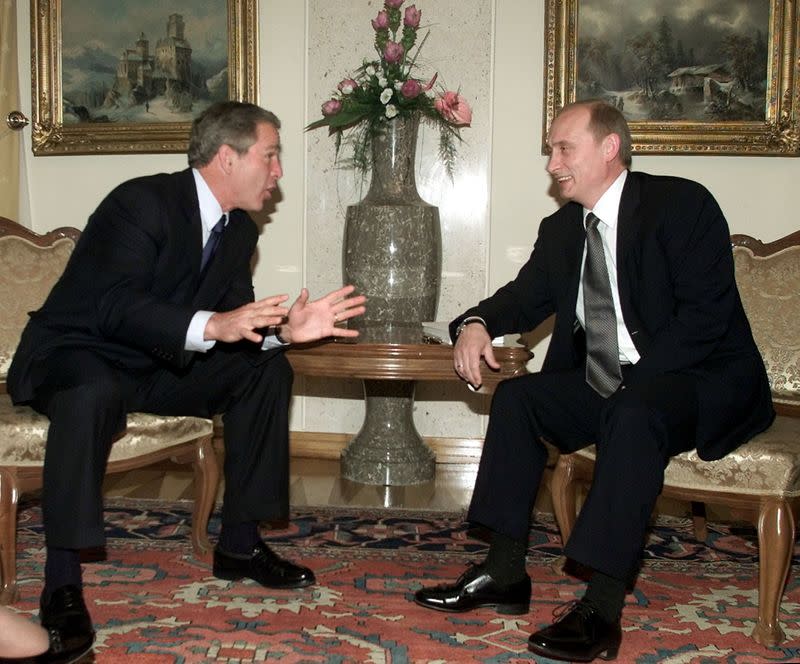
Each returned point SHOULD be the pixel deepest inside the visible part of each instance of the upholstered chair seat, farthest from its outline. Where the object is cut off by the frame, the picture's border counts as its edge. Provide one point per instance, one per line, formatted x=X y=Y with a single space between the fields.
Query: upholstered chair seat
x=29 y=266
x=761 y=478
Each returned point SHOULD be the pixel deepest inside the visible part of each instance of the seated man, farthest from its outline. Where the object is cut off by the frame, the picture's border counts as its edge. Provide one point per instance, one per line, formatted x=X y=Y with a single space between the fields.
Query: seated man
x=651 y=355
x=155 y=312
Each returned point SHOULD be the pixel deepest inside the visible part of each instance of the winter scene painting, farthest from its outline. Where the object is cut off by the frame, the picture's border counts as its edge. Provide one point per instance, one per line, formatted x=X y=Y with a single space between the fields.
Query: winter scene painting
x=697 y=60
x=147 y=61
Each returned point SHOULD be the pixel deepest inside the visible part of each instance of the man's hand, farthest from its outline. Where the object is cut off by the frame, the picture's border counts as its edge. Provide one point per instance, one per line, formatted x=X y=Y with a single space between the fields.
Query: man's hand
x=312 y=320
x=241 y=323
x=473 y=343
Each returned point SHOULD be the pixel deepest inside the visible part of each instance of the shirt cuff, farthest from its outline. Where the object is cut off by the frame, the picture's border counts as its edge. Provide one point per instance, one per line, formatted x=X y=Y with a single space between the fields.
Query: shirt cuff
x=197 y=328
x=467 y=321
x=271 y=340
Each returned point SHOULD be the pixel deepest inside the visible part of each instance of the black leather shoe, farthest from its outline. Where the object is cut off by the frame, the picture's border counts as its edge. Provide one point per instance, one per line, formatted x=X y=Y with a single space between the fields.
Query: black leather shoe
x=474 y=589
x=68 y=625
x=579 y=635
x=262 y=565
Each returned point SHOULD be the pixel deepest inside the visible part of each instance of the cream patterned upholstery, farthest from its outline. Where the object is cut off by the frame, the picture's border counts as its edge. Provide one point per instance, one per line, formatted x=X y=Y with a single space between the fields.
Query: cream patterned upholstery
x=762 y=476
x=29 y=266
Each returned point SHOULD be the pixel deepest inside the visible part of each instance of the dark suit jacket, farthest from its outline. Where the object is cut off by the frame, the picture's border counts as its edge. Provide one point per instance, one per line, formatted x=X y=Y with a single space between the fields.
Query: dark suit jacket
x=678 y=296
x=132 y=284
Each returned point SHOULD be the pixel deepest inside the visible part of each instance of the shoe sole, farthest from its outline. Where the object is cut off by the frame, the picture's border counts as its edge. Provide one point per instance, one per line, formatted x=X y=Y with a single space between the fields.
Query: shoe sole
x=227 y=576
x=502 y=609
x=66 y=659
x=607 y=655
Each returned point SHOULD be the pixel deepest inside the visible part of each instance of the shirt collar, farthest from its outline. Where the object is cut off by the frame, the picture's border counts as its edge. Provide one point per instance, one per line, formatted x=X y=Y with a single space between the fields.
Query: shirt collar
x=210 y=209
x=607 y=208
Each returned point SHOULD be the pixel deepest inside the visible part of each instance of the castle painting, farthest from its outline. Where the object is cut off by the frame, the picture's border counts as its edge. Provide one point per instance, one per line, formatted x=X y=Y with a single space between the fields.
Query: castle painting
x=143 y=61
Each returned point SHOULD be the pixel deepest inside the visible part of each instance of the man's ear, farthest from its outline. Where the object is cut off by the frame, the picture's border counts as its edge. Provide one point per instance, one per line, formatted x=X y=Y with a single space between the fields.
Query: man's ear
x=611 y=144
x=225 y=157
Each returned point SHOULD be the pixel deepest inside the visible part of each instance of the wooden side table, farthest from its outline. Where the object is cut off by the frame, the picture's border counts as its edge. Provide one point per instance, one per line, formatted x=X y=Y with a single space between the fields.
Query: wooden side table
x=388 y=450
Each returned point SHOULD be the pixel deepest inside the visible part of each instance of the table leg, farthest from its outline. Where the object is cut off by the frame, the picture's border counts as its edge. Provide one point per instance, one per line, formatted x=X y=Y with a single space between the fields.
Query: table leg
x=388 y=450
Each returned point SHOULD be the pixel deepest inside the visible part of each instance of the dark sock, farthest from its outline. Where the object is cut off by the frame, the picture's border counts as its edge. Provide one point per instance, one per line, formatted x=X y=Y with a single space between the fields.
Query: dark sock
x=505 y=562
x=606 y=595
x=239 y=537
x=62 y=568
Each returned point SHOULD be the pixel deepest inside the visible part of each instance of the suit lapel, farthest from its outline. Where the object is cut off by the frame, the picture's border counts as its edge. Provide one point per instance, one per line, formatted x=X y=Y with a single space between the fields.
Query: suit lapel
x=576 y=238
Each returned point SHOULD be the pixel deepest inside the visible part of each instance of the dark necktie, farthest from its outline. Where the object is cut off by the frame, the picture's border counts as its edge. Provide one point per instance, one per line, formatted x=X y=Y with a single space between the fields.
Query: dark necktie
x=602 y=349
x=212 y=243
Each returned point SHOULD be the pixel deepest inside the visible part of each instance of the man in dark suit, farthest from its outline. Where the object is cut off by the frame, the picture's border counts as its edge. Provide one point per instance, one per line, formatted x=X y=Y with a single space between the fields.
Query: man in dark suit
x=651 y=355
x=155 y=312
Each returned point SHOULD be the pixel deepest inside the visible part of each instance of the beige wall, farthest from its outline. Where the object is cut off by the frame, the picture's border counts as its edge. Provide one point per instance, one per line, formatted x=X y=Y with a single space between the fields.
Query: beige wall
x=492 y=49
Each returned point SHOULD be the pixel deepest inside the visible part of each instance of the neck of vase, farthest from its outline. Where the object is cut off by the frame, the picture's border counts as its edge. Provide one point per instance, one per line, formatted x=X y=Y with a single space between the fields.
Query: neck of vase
x=394 y=149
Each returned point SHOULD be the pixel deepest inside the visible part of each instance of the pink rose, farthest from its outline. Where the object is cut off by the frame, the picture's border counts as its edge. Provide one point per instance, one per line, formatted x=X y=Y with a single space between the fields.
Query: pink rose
x=393 y=4
x=347 y=86
x=454 y=108
x=393 y=52
x=331 y=107
x=411 y=88
x=412 y=17
x=381 y=21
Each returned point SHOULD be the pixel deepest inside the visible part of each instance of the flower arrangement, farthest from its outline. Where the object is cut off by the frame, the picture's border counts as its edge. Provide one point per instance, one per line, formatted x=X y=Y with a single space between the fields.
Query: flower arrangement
x=385 y=88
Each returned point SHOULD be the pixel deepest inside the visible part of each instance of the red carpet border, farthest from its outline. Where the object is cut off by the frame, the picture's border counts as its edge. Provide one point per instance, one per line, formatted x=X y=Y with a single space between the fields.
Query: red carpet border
x=153 y=602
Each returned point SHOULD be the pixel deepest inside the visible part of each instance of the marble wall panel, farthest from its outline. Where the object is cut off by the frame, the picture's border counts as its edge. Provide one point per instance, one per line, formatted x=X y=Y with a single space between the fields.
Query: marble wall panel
x=459 y=48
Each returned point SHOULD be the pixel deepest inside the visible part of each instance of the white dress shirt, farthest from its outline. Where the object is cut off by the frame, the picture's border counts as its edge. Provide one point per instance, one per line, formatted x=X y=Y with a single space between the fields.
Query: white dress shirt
x=607 y=211
x=210 y=212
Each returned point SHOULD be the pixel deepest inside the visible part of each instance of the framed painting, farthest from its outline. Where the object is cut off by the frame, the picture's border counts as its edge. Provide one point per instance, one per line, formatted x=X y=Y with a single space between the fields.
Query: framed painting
x=129 y=77
x=691 y=77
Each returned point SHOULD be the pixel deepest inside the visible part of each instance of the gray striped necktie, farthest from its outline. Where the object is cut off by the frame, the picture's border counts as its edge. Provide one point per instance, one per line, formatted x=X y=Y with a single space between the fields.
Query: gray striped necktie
x=603 y=372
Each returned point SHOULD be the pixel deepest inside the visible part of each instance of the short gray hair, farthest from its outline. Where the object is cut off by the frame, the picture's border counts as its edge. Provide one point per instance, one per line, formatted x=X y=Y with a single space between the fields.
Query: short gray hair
x=232 y=123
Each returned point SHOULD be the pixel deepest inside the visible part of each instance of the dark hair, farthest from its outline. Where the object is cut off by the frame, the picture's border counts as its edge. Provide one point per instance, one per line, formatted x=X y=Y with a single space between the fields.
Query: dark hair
x=605 y=119
x=230 y=123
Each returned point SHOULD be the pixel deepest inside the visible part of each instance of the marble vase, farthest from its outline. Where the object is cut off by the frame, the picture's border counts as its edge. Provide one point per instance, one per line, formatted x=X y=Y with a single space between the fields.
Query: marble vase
x=392 y=253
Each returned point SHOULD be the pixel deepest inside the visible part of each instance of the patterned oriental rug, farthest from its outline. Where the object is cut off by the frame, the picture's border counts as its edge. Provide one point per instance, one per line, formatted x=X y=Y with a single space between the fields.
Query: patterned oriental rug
x=153 y=602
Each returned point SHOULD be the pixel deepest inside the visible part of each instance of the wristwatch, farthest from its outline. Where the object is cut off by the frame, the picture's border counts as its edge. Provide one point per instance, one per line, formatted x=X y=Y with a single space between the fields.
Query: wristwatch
x=467 y=321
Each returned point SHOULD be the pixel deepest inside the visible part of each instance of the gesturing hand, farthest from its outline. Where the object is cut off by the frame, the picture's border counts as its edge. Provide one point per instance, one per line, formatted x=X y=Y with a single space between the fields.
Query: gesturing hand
x=316 y=319
x=232 y=326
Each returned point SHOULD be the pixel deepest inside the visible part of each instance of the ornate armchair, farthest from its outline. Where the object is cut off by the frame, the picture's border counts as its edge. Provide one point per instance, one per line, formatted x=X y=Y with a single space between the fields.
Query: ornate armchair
x=761 y=479
x=29 y=266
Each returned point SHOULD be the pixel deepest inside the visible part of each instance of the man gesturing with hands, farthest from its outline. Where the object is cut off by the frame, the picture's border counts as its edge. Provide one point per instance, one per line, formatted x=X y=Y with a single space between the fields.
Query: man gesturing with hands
x=155 y=312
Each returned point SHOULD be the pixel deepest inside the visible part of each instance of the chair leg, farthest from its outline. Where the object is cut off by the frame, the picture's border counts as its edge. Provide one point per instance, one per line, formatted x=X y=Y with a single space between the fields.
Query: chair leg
x=699 y=521
x=9 y=496
x=206 y=480
x=563 y=494
x=776 y=529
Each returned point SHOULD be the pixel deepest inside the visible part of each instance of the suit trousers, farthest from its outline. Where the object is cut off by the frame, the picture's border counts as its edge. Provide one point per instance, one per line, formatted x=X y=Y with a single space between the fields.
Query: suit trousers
x=87 y=398
x=636 y=431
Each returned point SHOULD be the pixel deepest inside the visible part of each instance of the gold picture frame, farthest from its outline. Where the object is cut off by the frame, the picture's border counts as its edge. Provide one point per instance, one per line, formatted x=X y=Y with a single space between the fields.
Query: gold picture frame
x=51 y=135
x=778 y=133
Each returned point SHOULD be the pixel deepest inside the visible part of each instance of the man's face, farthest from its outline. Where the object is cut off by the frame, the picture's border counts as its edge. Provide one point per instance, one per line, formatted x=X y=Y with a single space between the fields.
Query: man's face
x=255 y=174
x=582 y=167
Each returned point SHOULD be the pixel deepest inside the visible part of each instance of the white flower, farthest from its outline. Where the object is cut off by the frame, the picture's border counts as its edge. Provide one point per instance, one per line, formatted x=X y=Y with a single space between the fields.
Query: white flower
x=347 y=89
x=391 y=111
x=382 y=81
x=398 y=85
x=386 y=95
x=371 y=71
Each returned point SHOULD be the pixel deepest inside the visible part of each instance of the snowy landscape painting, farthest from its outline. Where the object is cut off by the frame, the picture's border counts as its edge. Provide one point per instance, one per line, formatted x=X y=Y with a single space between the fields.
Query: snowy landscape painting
x=690 y=76
x=675 y=59
x=142 y=61
x=131 y=75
